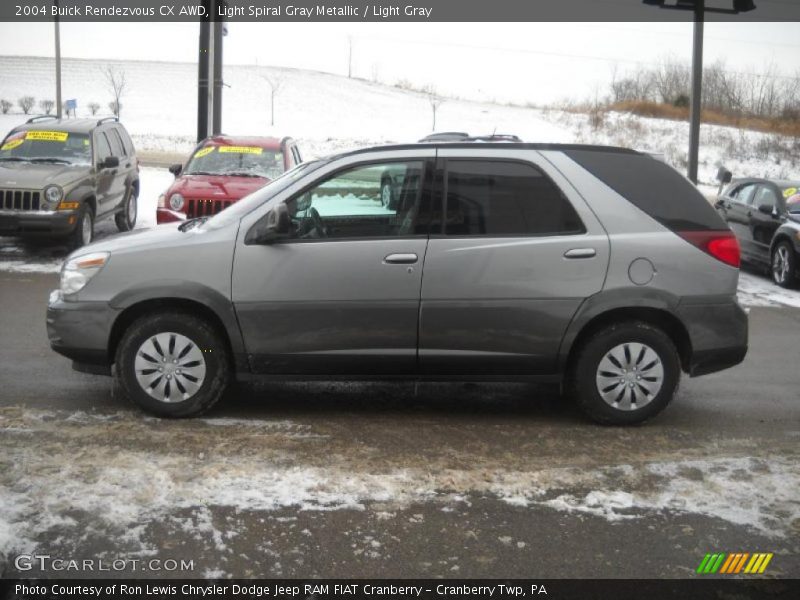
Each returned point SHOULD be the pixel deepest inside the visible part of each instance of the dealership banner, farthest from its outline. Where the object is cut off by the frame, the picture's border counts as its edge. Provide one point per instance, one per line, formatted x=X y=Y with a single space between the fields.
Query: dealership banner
x=396 y=11
x=424 y=589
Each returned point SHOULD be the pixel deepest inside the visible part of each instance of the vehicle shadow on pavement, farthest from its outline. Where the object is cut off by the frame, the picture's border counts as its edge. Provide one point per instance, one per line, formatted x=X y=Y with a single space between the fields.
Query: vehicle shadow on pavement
x=297 y=399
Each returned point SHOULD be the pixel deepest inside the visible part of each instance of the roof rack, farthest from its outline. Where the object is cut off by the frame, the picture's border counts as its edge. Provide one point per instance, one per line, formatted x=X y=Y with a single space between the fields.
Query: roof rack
x=458 y=136
x=38 y=118
x=107 y=119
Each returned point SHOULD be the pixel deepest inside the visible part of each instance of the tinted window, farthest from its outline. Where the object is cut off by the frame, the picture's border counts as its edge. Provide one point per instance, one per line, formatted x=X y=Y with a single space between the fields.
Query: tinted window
x=116 y=143
x=505 y=198
x=102 y=147
x=378 y=200
x=652 y=186
x=765 y=195
x=126 y=141
x=744 y=194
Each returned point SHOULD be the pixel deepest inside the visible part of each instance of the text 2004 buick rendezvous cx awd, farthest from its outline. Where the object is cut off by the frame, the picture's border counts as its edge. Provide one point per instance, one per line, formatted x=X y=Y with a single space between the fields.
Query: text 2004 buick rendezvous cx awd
x=600 y=268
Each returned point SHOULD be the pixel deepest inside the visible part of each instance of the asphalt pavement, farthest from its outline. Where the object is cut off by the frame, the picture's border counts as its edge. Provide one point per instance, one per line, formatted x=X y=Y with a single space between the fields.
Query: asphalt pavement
x=395 y=480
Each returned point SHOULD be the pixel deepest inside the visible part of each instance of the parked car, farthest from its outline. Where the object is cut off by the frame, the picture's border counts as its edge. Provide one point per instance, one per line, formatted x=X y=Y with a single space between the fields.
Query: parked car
x=764 y=214
x=602 y=269
x=222 y=170
x=59 y=177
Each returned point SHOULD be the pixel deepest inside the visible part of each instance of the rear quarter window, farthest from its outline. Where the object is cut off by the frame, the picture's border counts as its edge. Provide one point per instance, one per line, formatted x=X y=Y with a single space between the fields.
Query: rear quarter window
x=653 y=187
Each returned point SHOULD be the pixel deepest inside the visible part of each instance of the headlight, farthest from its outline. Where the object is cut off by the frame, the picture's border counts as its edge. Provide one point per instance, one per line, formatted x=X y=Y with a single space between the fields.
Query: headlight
x=176 y=201
x=77 y=271
x=53 y=194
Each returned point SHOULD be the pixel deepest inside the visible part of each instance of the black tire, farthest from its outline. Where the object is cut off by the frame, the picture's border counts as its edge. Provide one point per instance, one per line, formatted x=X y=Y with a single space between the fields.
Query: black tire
x=126 y=219
x=78 y=237
x=583 y=376
x=207 y=340
x=388 y=197
x=783 y=265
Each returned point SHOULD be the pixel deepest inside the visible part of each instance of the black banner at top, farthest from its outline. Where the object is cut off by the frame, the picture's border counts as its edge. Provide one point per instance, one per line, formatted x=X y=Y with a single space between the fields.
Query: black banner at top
x=398 y=10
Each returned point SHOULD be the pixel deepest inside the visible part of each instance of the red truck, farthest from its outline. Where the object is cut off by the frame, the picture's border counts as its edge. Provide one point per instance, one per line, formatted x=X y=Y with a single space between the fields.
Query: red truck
x=221 y=170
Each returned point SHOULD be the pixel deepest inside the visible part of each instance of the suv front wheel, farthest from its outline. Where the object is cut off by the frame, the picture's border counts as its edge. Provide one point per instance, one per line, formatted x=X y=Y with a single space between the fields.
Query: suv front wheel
x=172 y=364
x=625 y=373
x=83 y=233
x=126 y=219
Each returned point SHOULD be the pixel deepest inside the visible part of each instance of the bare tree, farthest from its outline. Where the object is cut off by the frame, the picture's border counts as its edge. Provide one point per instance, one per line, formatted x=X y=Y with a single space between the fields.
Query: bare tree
x=47 y=106
x=435 y=100
x=5 y=106
x=93 y=107
x=26 y=103
x=117 y=85
x=275 y=83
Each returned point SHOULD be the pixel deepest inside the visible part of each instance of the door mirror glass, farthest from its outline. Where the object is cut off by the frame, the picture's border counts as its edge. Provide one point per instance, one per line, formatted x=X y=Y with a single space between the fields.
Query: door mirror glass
x=176 y=169
x=110 y=162
x=276 y=224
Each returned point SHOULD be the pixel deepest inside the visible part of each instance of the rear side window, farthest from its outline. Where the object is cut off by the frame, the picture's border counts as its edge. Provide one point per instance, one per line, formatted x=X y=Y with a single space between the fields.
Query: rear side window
x=495 y=197
x=652 y=186
x=126 y=141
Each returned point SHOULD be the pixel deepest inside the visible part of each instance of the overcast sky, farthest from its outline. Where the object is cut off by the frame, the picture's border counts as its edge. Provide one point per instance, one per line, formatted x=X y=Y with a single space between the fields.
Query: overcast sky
x=536 y=62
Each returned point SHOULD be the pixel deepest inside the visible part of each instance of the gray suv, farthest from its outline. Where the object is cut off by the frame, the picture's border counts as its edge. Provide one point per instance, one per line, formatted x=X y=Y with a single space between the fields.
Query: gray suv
x=601 y=269
x=58 y=177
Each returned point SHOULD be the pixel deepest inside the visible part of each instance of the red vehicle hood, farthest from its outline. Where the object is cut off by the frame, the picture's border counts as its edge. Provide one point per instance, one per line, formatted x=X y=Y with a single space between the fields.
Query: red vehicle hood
x=216 y=187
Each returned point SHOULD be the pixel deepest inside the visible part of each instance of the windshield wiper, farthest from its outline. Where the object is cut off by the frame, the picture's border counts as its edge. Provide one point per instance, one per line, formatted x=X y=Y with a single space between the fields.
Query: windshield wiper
x=191 y=223
x=15 y=158
x=243 y=174
x=51 y=159
x=199 y=173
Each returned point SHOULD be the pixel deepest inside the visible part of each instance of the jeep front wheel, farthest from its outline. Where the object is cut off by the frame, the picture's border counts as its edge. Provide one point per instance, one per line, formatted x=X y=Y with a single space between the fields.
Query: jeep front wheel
x=83 y=233
x=172 y=364
x=126 y=219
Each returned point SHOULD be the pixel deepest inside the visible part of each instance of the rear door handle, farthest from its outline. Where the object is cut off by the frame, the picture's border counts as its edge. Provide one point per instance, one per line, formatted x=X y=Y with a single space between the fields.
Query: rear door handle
x=401 y=259
x=580 y=253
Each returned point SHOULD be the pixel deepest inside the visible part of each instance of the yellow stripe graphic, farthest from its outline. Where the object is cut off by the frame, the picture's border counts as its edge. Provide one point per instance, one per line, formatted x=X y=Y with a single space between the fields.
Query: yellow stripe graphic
x=765 y=563
x=754 y=562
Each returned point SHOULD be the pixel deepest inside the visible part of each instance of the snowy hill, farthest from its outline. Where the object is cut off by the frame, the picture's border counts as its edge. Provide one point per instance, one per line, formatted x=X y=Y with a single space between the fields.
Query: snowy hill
x=328 y=113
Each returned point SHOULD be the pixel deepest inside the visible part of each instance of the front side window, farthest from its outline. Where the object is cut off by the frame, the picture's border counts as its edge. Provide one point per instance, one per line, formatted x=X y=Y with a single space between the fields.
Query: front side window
x=47 y=146
x=378 y=200
x=493 y=197
x=236 y=161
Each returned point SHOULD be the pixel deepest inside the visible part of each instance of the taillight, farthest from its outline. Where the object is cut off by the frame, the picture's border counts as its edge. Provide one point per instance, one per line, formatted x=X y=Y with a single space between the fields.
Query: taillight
x=722 y=245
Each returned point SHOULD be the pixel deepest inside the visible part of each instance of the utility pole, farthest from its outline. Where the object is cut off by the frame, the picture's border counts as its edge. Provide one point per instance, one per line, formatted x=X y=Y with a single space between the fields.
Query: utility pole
x=58 y=62
x=209 y=71
x=697 y=90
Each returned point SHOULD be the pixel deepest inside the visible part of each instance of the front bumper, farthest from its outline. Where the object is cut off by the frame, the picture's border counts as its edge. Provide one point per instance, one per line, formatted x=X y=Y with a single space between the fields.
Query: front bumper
x=80 y=331
x=718 y=334
x=37 y=222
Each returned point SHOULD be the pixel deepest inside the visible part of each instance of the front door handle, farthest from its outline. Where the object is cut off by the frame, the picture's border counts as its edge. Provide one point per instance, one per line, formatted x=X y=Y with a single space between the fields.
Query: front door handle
x=580 y=253
x=401 y=259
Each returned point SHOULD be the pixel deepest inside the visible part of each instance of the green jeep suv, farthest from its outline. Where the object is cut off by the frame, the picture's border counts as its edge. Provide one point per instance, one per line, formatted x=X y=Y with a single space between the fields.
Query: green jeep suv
x=60 y=176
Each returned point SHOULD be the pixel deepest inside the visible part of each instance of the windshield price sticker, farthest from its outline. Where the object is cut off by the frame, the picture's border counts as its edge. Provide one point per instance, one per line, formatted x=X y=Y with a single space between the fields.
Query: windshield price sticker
x=203 y=151
x=789 y=192
x=47 y=136
x=10 y=145
x=241 y=149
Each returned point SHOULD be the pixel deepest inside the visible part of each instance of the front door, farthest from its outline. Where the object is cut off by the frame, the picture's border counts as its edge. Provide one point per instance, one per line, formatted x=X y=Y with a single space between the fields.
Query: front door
x=341 y=294
x=763 y=224
x=510 y=268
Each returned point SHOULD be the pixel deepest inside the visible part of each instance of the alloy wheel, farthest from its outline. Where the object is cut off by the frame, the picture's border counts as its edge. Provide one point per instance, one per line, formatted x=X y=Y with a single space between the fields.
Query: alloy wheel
x=780 y=264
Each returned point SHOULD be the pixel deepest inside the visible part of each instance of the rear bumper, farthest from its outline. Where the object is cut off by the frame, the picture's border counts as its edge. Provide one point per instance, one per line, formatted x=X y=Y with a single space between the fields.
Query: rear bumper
x=718 y=334
x=32 y=222
x=80 y=330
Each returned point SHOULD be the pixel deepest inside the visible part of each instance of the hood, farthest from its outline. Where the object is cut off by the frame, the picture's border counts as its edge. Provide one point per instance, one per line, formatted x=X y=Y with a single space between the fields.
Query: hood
x=36 y=176
x=216 y=187
x=161 y=235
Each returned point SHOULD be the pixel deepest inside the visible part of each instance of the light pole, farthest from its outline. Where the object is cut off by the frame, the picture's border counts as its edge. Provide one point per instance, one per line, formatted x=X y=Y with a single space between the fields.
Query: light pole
x=699 y=8
x=58 y=63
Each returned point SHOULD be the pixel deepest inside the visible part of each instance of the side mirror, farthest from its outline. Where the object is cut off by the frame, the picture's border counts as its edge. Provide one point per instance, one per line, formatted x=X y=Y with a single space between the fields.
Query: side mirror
x=276 y=224
x=724 y=176
x=176 y=169
x=110 y=162
x=767 y=209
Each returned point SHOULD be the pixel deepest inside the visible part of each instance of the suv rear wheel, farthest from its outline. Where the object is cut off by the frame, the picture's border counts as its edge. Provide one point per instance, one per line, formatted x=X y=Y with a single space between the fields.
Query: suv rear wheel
x=172 y=364
x=126 y=220
x=625 y=373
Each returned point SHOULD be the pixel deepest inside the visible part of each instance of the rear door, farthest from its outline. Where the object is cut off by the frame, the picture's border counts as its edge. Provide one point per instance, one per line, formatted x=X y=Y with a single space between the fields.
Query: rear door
x=518 y=252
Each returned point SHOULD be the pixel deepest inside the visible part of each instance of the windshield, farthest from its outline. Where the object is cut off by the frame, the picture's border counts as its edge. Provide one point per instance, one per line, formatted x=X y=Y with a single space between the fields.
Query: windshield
x=238 y=209
x=47 y=146
x=244 y=161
